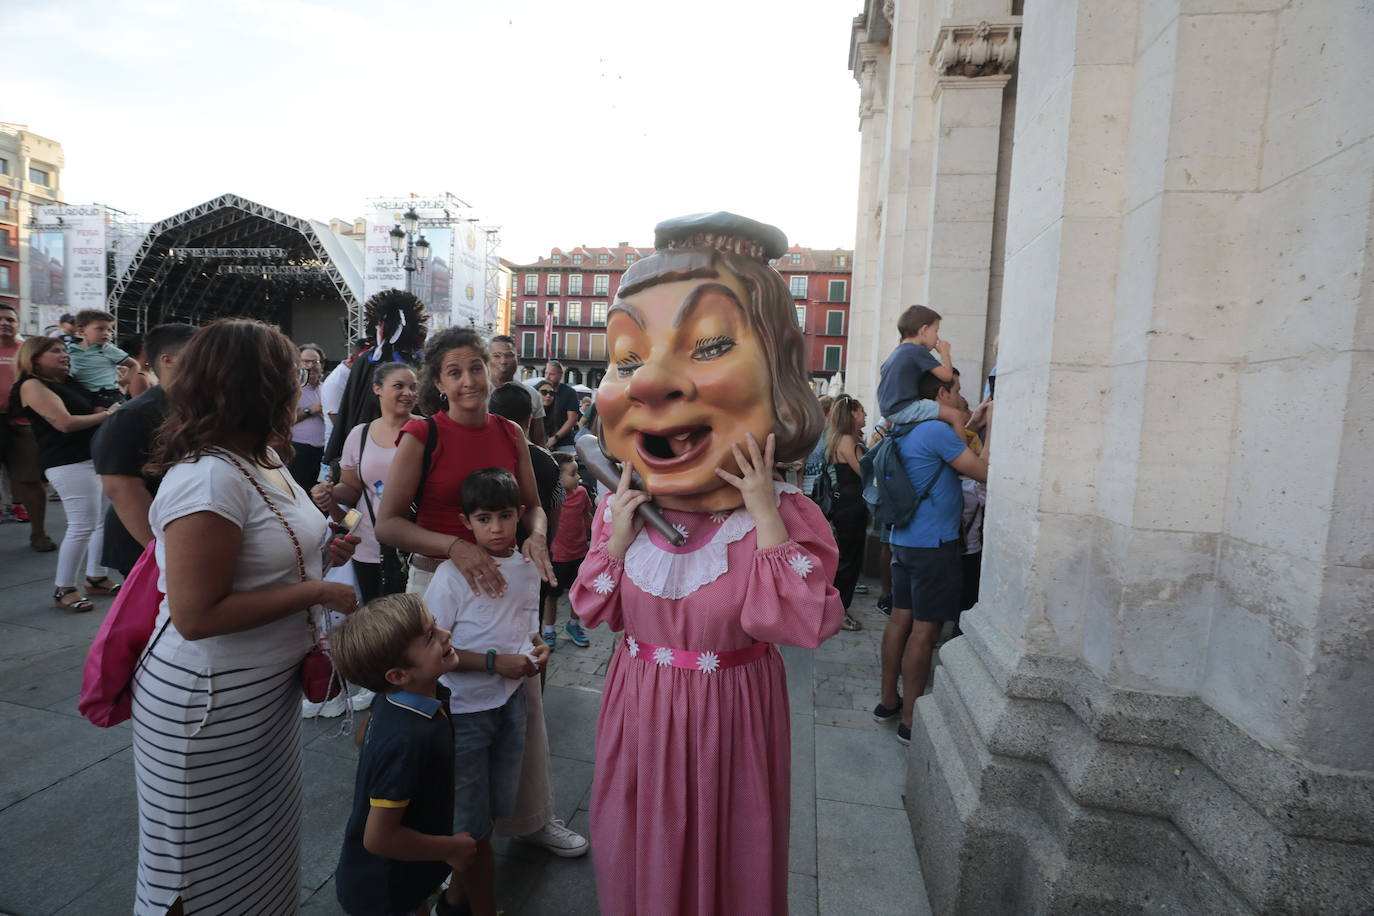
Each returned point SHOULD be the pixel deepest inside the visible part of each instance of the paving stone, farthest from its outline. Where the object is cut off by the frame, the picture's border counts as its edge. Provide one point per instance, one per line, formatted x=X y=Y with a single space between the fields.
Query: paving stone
x=41 y=748
x=572 y=785
x=18 y=643
x=321 y=902
x=847 y=718
x=328 y=800
x=801 y=895
x=72 y=841
x=866 y=862
x=802 y=841
x=571 y=719
x=863 y=767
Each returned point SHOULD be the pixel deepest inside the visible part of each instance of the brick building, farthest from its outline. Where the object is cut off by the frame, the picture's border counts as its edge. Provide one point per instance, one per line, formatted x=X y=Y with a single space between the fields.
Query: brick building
x=819 y=280
x=578 y=286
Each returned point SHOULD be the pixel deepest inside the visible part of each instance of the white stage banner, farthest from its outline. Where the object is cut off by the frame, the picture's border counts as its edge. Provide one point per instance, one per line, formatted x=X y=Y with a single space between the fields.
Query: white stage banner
x=381 y=269
x=452 y=285
x=82 y=231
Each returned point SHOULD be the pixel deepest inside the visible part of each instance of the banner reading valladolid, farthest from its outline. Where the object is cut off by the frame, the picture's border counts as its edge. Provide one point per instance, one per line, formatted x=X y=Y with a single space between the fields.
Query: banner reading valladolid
x=67 y=249
x=451 y=284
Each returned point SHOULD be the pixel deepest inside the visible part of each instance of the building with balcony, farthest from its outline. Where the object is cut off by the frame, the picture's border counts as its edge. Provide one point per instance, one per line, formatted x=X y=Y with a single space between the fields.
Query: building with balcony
x=820 y=282
x=30 y=175
x=576 y=287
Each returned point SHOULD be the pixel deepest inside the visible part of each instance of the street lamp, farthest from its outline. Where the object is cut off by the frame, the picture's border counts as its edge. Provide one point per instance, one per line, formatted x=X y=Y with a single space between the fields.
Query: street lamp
x=416 y=250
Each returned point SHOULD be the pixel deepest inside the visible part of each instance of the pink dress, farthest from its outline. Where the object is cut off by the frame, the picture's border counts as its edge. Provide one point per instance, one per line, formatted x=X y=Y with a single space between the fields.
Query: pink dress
x=690 y=804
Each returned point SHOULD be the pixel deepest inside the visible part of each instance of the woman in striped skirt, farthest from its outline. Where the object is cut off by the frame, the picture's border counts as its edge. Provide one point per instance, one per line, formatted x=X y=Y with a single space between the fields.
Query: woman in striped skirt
x=217 y=697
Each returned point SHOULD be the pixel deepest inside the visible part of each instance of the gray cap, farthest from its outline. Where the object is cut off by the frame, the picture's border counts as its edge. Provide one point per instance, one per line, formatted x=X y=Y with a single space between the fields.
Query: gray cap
x=713 y=228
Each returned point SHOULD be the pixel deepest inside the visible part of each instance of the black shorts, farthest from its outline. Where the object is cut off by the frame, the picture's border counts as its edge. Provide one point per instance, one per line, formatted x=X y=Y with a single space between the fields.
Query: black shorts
x=928 y=581
x=565 y=571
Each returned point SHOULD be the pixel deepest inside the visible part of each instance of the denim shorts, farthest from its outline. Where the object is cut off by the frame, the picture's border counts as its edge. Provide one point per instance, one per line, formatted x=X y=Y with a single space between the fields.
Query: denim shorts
x=488 y=748
x=928 y=581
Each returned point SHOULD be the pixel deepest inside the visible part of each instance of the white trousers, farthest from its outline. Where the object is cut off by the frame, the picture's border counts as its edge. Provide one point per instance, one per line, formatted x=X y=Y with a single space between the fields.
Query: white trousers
x=84 y=502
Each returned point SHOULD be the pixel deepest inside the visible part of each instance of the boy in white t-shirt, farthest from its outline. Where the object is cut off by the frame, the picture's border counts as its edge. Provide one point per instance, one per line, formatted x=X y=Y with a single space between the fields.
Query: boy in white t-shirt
x=496 y=656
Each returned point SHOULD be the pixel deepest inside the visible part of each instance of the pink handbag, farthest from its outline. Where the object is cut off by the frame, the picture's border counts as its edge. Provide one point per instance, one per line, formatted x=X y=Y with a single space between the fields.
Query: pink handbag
x=108 y=676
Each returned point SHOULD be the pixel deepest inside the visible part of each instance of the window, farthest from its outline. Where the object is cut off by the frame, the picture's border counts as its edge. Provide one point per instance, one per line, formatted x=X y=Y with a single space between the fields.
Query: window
x=572 y=345
x=527 y=343
x=553 y=345
x=599 y=313
x=601 y=285
x=531 y=313
x=798 y=284
x=841 y=260
x=552 y=308
x=557 y=258
x=553 y=284
x=39 y=176
x=837 y=291
x=575 y=285
x=794 y=258
x=578 y=259
x=531 y=284
x=834 y=355
x=4 y=166
x=572 y=313
x=603 y=259
x=801 y=317
x=629 y=259
x=834 y=322
x=5 y=280
x=597 y=345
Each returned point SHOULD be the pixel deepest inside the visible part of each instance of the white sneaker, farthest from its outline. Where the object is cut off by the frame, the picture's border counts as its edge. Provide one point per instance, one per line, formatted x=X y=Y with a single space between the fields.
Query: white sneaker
x=361 y=700
x=329 y=709
x=557 y=838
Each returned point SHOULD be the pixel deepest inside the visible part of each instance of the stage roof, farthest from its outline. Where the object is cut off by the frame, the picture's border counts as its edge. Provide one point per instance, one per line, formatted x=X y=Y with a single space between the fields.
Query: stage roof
x=233 y=257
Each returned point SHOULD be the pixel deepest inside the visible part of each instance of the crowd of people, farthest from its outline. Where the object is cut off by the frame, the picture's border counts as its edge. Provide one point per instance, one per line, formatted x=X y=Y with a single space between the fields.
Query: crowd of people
x=229 y=456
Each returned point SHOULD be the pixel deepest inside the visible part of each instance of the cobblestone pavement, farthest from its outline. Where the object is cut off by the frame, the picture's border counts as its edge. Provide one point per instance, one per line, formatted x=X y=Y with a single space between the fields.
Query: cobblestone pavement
x=68 y=818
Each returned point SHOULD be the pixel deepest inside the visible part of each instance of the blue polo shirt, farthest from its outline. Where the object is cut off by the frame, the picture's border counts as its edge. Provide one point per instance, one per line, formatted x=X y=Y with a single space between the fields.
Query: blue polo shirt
x=406 y=762
x=927 y=451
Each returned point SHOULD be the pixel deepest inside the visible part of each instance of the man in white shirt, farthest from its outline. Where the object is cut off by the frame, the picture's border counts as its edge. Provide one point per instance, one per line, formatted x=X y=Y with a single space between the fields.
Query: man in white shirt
x=504 y=362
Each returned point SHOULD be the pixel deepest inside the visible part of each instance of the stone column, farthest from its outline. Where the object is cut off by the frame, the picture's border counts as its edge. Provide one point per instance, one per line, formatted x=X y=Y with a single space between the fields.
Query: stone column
x=972 y=60
x=870 y=64
x=1161 y=703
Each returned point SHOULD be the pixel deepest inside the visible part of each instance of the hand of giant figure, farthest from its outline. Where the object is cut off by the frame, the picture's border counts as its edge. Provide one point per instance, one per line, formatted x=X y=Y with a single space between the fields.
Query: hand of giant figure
x=704 y=350
x=705 y=389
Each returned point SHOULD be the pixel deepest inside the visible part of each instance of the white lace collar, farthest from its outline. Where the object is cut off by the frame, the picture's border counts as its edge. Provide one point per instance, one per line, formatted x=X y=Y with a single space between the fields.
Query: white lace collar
x=665 y=574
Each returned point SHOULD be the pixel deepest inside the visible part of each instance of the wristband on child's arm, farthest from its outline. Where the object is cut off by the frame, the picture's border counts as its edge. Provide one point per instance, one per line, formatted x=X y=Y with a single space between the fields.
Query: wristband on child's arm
x=491 y=661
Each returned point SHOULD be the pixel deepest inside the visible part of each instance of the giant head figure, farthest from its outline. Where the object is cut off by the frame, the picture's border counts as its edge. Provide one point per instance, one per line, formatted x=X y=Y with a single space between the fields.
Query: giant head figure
x=704 y=348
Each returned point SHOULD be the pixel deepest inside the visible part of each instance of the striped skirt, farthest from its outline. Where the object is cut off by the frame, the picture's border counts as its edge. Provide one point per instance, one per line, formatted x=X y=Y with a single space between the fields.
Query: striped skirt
x=217 y=759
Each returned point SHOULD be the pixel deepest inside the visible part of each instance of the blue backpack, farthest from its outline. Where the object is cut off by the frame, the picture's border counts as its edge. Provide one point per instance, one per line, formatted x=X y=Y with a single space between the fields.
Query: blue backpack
x=891 y=498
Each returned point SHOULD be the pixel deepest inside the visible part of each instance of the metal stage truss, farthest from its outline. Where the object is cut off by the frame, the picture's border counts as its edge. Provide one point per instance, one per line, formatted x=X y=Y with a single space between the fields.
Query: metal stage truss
x=207 y=262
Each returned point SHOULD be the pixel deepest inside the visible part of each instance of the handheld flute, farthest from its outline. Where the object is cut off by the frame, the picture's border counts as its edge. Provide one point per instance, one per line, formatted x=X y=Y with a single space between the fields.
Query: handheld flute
x=605 y=470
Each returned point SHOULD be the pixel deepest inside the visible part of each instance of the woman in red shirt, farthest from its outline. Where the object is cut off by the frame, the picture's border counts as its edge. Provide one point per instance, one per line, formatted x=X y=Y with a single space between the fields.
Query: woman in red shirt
x=454 y=389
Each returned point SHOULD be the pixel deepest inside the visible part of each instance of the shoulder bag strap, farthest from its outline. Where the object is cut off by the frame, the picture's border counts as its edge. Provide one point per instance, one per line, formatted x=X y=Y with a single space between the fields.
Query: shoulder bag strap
x=431 y=437
x=362 y=484
x=295 y=542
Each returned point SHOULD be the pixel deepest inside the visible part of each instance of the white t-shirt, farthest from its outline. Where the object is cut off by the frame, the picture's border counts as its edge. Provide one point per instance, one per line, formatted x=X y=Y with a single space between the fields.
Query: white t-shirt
x=266 y=558
x=332 y=389
x=376 y=465
x=481 y=622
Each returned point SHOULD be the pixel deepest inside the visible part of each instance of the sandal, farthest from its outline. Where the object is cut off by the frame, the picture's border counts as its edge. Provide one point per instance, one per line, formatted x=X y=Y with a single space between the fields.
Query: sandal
x=42 y=543
x=849 y=623
x=69 y=599
x=102 y=586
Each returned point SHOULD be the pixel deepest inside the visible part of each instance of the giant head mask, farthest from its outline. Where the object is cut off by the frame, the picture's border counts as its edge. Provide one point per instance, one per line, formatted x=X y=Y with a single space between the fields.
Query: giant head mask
x=704 y=349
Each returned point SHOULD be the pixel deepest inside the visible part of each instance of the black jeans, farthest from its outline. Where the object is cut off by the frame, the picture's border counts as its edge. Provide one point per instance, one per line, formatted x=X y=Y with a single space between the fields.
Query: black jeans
x=851 y=530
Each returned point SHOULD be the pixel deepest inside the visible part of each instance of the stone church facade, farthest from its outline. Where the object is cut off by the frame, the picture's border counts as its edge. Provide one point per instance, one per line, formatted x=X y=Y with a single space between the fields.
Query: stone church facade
x=1156 y=219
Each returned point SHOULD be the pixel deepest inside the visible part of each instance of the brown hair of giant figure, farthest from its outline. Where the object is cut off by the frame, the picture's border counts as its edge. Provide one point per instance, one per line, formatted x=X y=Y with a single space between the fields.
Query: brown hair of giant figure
x=703 y=348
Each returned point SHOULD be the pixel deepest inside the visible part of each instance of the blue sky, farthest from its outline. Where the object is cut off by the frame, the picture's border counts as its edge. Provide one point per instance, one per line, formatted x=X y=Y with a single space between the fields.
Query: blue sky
x=564 y=123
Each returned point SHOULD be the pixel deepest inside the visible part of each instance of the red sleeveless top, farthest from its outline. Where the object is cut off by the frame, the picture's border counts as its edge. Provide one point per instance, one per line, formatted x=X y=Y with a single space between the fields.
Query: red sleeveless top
x=458 y=451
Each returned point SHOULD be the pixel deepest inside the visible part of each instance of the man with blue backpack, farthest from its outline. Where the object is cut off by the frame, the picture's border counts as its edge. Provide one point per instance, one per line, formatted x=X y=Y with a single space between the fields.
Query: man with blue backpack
x=926 y=563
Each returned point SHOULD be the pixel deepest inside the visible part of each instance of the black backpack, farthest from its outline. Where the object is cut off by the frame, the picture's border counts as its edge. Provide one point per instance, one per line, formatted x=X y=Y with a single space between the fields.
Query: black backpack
x=823 y=491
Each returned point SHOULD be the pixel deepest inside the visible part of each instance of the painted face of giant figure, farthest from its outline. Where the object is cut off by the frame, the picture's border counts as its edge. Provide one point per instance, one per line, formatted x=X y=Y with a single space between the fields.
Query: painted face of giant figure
x=704 y=350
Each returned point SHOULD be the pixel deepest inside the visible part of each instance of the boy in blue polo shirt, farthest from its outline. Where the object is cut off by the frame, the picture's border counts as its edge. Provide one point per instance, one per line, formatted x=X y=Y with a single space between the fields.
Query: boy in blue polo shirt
x=399 y=844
